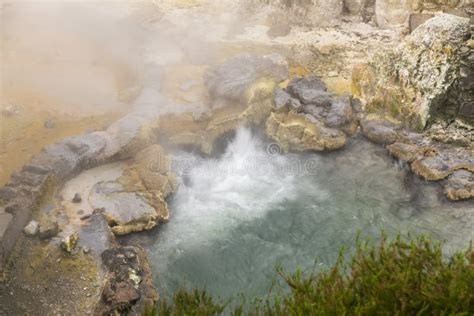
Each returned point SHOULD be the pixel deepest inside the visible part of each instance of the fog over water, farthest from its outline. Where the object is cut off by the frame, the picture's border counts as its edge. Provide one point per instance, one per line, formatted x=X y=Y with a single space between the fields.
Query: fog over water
x=235 y=217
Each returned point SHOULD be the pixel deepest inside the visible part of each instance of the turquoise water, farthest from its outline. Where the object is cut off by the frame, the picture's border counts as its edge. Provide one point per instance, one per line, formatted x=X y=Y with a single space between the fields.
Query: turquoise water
x=235 y=217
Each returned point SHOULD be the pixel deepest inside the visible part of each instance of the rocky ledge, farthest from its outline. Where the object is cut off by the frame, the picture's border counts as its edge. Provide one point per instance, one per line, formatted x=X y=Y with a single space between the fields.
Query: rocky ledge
x=308 y=117
x=431 y=160
x=418 y=102
x=426 y=82
x=128 y=288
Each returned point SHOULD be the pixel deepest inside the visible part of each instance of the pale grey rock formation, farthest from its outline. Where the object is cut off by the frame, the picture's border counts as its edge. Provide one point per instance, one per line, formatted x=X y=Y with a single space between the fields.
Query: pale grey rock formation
x=125 y=211
x=230 y=80
x=429 y=76
x=32 y=228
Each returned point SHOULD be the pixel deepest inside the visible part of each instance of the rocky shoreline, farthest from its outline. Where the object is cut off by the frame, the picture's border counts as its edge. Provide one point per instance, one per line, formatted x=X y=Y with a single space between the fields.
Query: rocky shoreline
x=299 y=115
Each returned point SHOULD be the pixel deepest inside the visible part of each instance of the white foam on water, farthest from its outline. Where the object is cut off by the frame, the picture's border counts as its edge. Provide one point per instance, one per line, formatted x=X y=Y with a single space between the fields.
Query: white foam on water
x=219 y=194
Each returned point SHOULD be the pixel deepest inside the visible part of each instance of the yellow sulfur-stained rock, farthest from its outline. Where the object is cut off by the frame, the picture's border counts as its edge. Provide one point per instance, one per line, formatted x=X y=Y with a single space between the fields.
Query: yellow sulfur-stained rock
x=410 y=152
x=296 y=132
x=460 y=185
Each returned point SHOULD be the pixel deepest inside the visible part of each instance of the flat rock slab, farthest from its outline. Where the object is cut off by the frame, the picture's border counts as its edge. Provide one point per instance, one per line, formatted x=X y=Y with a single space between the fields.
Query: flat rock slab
x=379 y=131
x=125 y=212
x=310 y=90
x=460 y=185
x=96 y=235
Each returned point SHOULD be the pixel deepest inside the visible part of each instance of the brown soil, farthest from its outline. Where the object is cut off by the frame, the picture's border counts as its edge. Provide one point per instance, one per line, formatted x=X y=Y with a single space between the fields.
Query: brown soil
x=45 y=280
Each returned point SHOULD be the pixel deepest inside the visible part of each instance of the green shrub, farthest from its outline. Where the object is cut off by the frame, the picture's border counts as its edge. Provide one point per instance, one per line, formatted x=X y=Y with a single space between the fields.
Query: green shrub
x=192 y=303
x=391 y=278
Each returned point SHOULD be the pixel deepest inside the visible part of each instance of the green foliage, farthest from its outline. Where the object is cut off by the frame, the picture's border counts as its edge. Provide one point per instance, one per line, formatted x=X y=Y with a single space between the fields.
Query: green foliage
x=391 y=278
x=193 y=303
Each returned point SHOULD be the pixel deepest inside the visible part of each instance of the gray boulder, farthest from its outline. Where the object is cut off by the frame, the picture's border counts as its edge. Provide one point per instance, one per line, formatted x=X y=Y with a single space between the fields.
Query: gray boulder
x=428 y=77
x=460 y=185
x=128 y=212
x=32 y=228
x=48 y=230
x=310 y=90
x=230 y=80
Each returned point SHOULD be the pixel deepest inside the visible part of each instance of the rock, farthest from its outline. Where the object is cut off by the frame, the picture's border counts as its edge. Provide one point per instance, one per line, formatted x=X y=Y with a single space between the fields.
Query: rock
x=96 y=235
x=128 y=212
x=324 y=10
x=432 y=168
x=27 y=179
x=259 y=104
x=354 y=7
x=416 y=19
x=49 y=123
x=32 y=228
x=151 y=172
x=456 y=133
x=69 y=242
x=391 y=13
x=184 y=130
x=48 y=230
x=283 y=28
x=64 y=158
x=77 y=198
x=421 y=80
x=368 y=11
x=460 y=185
x=5 y=224
x=129 y=282
x=11 y=110
x=307 y=13
x=296 y=132
x=379 y=131
x=284 y=101
x=36 y=169
x=281 y=97
x=340 y=112
x=443 y=164
x=230 y=80
x=7 y=193
x=129 y=135
x=5 y=220
x=85 y=217
x=310 y=90
x=410 y=152
x=320 y=123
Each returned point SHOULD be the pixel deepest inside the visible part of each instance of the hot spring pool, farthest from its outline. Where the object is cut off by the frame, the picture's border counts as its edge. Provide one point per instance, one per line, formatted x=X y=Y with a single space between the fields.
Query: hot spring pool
x=234 y=218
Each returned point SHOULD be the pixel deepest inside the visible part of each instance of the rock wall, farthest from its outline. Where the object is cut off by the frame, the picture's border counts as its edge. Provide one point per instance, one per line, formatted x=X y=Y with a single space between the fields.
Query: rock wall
x=302 y=12
x=427 y=78
x=59 y=162
x=451 y=165
x=384 y=13
x=390 y=13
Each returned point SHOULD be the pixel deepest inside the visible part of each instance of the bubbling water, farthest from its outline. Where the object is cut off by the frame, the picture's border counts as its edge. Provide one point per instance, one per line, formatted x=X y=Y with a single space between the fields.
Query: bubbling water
x=234 y=217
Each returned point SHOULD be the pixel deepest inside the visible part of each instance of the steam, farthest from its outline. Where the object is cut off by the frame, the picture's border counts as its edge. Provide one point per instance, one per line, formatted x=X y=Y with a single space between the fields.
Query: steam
x=87 y=58
x=217 y=195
